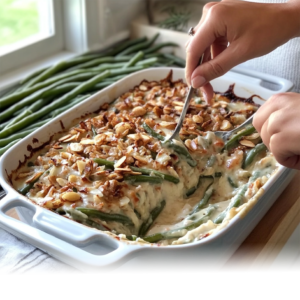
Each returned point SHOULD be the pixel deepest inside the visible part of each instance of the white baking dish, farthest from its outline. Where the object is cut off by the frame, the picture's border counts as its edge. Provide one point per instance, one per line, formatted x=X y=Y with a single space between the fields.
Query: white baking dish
x=84 y=247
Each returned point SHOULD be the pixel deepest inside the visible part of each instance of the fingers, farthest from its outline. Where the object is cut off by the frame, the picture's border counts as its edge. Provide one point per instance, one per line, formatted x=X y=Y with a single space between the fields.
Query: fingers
x=218 y=66
x=282 y=153
x=208 y=93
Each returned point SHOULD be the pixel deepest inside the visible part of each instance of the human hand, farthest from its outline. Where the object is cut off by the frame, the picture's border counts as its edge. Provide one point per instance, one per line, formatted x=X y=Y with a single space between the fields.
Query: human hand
x=233 y=31
x=278 y=123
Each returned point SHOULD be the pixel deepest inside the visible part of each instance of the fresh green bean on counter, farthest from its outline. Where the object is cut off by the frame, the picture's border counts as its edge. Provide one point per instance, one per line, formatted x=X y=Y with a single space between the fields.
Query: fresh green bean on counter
x=47 y=92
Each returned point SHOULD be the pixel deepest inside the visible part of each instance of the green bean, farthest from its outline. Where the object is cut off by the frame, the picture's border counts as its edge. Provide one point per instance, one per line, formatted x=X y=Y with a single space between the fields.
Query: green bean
x=27 y=187
x=103 y=162
x=153 y=215
x=18 y=135
x=110 y=165
x=137 y=57
x=94 y=213
x=32 y=75
x=252 y=153
x=181 y=150
x=3 y=149
x=94 y=224
x=127 y=44
x=50 y=91
x=211 y=161
x=148 y=61
x=143 y=178
x=157 y=173
x=207 y=195
x=70 y=104
x=179 y=232
x=247 y=131
x=159 y=46
x=232 y=183
x=2 y=125
x=138 y=46
x=38 y=124
x=94 y=131
x=217 y=174
x=57 y=103
x=99 y=61
x=22 y=115
x=236 y=201
x=179 y=61
x=152 y=132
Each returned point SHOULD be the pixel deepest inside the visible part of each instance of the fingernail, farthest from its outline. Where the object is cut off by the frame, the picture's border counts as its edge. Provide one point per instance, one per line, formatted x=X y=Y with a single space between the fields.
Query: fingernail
x=198 y=81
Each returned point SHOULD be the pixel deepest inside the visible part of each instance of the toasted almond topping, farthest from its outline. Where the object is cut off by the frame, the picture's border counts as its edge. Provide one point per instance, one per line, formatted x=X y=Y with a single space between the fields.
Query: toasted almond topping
x=64 y=137
x=120 y=162
x=140 y=158
x=61 y=181
x=178 y=108
x=72 y=138
x=121 y=128
x=197 y=119
x=23 y=175
x=143 y=87
x=79 y=129
x=65 y=155
x=157 y=111
x=252 y=136
x=247 y=143
x=124 y=201
x=71 y=196
x=34 y=177
x=76 y=147
x=73 y=178
x=226 y=125
x=85 y=141
x=168 y=125
x=81 y=165
x=138 y=111
x=217 y=104
x=191 y=144
x=178 y=103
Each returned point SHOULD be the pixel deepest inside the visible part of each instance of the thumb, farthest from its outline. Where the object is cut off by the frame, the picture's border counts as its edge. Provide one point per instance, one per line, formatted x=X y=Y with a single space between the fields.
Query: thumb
x=218 y=66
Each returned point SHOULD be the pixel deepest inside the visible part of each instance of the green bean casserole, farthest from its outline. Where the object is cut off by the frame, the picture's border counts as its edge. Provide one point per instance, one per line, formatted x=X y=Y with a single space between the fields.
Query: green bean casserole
x=112 y=171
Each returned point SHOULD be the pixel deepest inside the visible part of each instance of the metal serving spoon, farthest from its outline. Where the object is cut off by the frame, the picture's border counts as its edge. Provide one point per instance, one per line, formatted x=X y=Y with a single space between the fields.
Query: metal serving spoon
x=175 y=134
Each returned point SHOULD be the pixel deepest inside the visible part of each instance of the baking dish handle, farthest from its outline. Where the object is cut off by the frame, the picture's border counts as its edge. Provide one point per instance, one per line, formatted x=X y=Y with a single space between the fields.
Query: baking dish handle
x=285 y=85
x=56 y=239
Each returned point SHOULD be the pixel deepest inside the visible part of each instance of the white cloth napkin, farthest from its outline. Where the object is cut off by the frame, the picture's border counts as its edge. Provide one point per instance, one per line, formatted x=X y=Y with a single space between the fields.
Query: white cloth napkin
x=19 y=257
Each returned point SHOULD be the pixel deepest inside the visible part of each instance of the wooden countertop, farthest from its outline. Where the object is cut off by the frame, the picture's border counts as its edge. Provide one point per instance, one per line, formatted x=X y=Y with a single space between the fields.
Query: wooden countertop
x=267 y=239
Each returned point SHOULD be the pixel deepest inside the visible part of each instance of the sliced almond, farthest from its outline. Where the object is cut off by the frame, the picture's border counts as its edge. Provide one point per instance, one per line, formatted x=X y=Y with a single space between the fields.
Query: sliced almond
x=124 y=201
x=85 y=141
x=65 y=155
x=168 y=125
x=216 y=104
x=226 y=125
x=76 y=147
x=197 y=119
x=71 y=196
x=34 y=177
x=64 y=137
x=62 y=181
x=23 y=175
x=177 y=103
x=120 y=162
x=81 y=165
x=140 y=158
x=72 y=138
x=191 y=144
x=73 y=178
x=252 y=136
x=247 y=143
x=138 y=111
x=143 y=87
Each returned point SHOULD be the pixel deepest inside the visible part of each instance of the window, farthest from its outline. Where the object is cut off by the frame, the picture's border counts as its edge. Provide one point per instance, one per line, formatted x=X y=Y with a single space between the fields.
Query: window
x=23 y=23
x=29 y=30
